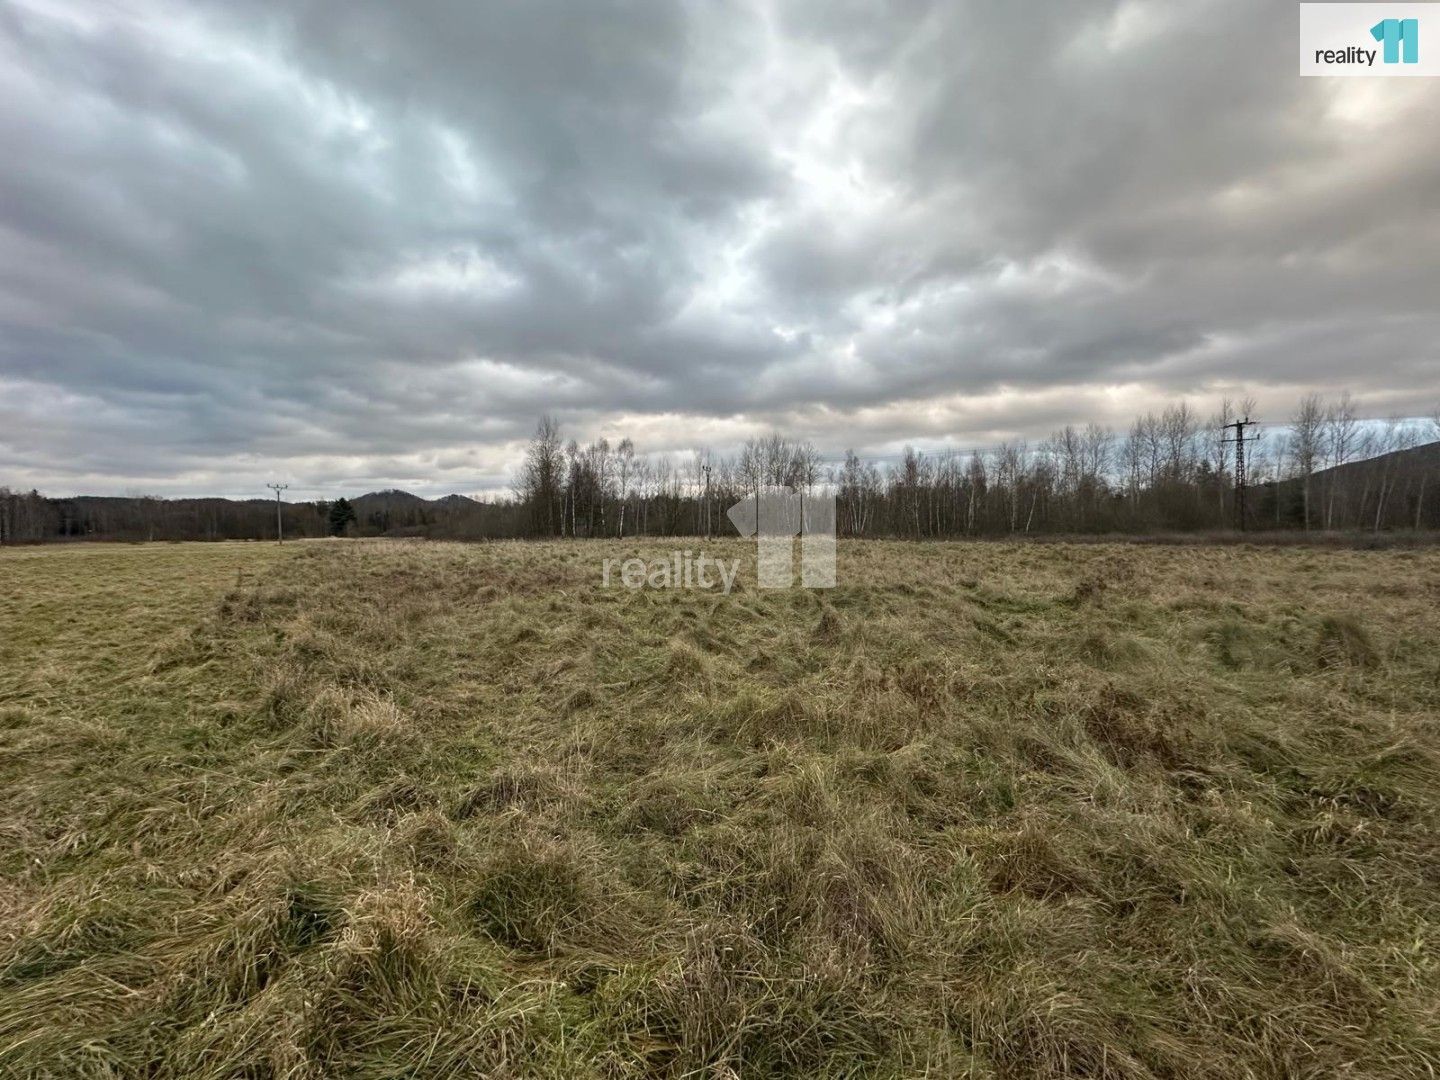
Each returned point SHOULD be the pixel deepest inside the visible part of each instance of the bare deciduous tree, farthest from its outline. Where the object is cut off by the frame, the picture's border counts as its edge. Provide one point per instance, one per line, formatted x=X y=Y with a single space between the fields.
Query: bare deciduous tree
x=540 y=476
x=1305 y=443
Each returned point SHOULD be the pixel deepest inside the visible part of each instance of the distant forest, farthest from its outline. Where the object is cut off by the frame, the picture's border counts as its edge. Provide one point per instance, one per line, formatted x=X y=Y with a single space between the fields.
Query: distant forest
x=1173 y=471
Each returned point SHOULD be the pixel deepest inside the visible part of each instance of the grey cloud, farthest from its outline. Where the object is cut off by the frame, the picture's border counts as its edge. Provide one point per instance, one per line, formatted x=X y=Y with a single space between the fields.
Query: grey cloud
x=239 y=236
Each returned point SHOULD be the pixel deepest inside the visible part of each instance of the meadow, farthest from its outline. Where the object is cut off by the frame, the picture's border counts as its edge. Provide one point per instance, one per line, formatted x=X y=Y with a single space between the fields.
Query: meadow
x=384 y=809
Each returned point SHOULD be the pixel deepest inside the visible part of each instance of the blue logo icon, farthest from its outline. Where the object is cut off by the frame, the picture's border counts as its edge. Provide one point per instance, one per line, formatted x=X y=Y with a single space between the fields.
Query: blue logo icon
x=1395 y=33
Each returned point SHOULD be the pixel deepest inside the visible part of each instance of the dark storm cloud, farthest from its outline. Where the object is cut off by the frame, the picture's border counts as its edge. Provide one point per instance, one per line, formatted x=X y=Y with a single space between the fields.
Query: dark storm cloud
x=372 y=242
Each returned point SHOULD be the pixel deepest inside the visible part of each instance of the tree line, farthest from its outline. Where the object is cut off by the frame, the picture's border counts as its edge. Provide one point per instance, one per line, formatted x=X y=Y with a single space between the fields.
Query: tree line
x=1173 y=470
x=30 y=517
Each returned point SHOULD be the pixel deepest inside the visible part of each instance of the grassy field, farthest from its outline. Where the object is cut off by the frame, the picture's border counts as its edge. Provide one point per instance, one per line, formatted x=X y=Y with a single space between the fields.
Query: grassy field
x=390 y=809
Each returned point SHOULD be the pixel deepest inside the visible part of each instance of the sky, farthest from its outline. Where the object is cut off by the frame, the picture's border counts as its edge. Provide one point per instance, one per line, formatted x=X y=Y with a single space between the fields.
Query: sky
x=368 y=244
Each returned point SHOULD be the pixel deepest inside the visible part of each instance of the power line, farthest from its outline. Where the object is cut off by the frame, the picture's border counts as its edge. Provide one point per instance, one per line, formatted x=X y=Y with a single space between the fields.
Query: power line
x=1040 y=445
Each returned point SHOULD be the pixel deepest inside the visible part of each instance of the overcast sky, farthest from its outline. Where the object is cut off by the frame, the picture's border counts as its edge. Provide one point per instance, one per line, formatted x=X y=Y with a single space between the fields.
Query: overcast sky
x=366 y=244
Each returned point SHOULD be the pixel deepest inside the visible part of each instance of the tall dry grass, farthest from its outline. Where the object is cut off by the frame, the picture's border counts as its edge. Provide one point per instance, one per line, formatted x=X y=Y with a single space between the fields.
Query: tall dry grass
x=373 y=809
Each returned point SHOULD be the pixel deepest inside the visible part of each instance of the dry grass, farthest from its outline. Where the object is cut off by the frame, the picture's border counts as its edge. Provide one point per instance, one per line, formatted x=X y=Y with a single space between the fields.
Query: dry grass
x=373 y=809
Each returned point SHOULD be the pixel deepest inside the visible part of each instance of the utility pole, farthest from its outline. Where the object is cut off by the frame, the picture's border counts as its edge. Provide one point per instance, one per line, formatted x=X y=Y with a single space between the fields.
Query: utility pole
x=279 y=522
x=706 y=470
x=1240 y=439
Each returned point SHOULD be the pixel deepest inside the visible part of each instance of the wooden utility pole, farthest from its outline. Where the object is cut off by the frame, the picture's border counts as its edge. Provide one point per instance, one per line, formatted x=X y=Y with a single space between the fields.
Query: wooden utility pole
x=1241 y=482
x=279 y=522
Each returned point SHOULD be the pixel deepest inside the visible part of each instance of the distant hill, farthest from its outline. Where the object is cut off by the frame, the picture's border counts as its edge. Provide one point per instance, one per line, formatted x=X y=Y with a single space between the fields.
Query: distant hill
x=396 y=500
x=1394 y=490
x=1426 y=456
x=389 y=500
x=402 y=512
x=1417 y=459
